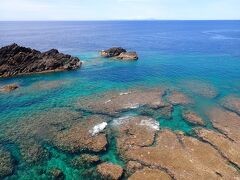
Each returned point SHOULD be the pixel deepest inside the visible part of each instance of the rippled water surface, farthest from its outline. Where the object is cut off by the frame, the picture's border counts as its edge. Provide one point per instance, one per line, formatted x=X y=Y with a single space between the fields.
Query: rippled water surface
x=186 y=56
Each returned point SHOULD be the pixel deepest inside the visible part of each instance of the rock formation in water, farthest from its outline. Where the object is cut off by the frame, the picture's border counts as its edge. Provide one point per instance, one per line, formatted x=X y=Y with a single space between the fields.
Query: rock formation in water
x=17 y=60
x=8 y=88
x=119 y=53
x=110 y=171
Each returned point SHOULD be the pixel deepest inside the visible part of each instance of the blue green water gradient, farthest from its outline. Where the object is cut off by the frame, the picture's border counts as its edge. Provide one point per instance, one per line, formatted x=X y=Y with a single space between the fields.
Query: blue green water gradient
x=171 y=53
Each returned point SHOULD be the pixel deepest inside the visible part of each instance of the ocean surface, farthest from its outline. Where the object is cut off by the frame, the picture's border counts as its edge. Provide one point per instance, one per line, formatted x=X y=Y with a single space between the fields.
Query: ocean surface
x=178 y=55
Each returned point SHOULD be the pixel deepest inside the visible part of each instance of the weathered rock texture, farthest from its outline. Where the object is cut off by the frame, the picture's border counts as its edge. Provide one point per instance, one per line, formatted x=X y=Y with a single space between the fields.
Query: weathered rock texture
x=6 y=163
x=183 y=157
x=119 y=53
x=227 y=147
x=193 y=118
x=134 y=131
x=178 y=98
x=17 y=60
x=8 y=88
x=115 y=102
x=110 y=171
x=150 y=174
x=201 y=88
x=231 y=103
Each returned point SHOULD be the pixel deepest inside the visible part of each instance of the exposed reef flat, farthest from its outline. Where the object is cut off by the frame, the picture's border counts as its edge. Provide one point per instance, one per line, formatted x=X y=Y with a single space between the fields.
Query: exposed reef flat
x=183 y=157
x=148 y=173
x=115 y=102
x=130 y=135
x=227 y=147
x=231 y=103
x=16 y=60
x=119 y=53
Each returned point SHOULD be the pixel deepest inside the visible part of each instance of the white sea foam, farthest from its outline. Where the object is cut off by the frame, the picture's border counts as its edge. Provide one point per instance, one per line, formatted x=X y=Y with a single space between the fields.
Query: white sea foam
x=150 y=123
x=108 y=101
x=98 y=128
x=124 y=93
x=121 y=120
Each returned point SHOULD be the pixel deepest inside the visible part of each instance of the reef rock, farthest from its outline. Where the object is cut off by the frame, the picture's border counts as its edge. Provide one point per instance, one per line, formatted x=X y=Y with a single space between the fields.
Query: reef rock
x=79 y=137
x=115 y=102
x=183 y=157
x=119 y=53
x=6 y=164
x=134 y=131
x=225 y=121
x=151 y=174
x=231 y=103
x=85 y=160
x=178 y=98
x=8 y=88
x=128 y=56
x=133 y=166
x=228 y=148
x=110 y=171
x=193 y=118
x=17 y=60
x=57 y=174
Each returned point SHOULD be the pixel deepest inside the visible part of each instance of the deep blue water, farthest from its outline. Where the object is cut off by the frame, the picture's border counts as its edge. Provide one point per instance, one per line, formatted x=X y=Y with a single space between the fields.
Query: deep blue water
x=171 y=53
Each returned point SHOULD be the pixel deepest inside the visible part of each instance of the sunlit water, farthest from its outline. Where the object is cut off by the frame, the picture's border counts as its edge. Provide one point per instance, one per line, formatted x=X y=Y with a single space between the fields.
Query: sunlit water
x=171 y=54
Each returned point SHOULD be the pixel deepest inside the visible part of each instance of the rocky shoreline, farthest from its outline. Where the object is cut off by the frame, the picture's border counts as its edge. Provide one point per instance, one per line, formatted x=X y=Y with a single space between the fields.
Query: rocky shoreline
x=17 y=60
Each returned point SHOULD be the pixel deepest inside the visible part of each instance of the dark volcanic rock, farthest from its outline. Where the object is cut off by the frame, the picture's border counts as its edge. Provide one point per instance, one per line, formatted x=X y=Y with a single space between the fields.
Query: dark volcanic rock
x=17 y=60
x=112 y=52
x=119 y=53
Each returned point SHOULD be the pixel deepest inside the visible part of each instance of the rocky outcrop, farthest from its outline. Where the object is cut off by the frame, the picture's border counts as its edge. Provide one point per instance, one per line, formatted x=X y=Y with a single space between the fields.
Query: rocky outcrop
x=9 y=88
x=17 y=60
x=134 y=131
x=178 y=98
x=6 y=163
x=110 y=171
x=128 y=56
x=79 y=137
x=115 y=102
x=119 y=53
x=193 y=118
x=85 y=160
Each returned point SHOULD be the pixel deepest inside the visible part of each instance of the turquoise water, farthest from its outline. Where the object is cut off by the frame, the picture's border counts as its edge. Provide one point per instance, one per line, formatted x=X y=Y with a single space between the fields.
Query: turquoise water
x=172 y=54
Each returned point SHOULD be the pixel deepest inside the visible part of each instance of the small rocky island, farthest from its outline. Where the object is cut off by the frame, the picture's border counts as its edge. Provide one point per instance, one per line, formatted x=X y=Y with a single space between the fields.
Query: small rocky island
x=119 y=53
x=16 y=60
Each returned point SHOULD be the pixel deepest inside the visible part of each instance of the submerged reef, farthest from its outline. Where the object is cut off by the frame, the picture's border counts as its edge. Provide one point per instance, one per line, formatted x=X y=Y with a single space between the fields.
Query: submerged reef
x=6 y=163
x=17 y=60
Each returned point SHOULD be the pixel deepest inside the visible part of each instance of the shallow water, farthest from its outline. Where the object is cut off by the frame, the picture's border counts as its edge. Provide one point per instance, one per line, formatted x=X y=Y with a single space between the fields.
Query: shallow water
x=172 y=54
